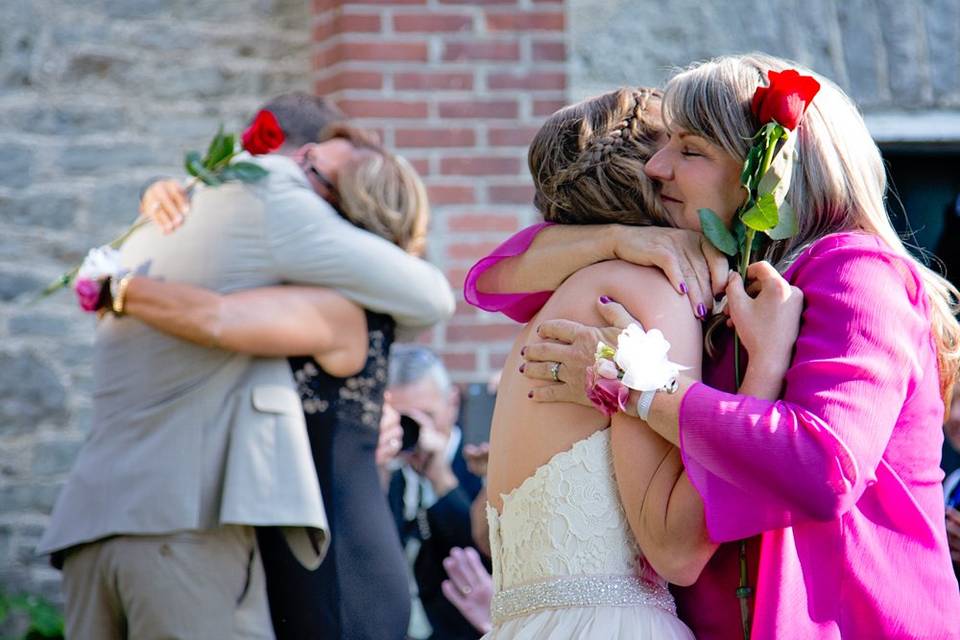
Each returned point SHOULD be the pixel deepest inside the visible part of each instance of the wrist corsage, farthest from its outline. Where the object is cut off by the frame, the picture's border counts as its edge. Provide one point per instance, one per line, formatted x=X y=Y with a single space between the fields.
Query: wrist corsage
x=639 y=362
x=100 y=268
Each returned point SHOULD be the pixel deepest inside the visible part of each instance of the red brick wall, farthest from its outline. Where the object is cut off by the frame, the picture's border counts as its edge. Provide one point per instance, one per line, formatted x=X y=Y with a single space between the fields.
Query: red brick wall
x=458 y=87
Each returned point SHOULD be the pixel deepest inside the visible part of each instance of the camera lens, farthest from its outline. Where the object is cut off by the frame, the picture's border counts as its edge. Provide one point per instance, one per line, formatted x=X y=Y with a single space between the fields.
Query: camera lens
x=411 y=432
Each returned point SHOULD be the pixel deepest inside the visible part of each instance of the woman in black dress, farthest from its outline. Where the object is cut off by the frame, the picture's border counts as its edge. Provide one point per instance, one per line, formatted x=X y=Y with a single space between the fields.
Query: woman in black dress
x=361 y=590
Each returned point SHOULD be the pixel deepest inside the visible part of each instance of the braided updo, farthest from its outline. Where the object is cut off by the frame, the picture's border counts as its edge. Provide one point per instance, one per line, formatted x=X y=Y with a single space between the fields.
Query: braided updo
x=587 y=160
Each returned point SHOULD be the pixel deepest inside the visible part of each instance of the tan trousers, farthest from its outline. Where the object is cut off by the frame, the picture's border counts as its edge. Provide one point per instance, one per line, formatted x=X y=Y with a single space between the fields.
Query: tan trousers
x=194 y=585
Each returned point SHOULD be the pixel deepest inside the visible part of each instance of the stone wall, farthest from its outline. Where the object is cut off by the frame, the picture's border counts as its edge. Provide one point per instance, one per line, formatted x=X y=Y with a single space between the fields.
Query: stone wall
x=888 y=54
x=96 y=96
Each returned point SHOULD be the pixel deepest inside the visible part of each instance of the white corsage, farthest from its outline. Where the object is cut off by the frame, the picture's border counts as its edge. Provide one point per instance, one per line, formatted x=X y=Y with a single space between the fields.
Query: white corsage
x=100 y=263
x=642 y=356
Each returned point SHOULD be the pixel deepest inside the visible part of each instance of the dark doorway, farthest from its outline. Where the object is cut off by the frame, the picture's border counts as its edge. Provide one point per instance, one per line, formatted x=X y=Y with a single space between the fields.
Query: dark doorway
x=924 y=204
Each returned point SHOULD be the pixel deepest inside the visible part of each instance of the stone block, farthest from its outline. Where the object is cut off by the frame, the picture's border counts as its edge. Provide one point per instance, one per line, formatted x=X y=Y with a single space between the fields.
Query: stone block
x=136 y=8
x=66 y=120
x=13 y=285
x=16 y=166
x=106 y=159
x=38 y=324
x=30 y=393
x=115 y=204
x=90 y=66
x=28 y=497
x=51 y=458
x=56 y=211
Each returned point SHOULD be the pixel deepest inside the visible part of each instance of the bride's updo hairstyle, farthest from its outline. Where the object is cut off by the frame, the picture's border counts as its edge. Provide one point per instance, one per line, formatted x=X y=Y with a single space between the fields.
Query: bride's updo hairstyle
x=838 y=181
x=587 y=161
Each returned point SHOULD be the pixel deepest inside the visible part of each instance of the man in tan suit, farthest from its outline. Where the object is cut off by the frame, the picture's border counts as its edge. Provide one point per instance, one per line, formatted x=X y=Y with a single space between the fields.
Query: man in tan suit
x=191 y=447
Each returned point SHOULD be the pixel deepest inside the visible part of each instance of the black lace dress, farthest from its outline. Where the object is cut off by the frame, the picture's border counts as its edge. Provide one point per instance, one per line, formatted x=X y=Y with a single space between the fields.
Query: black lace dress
x=360 y=591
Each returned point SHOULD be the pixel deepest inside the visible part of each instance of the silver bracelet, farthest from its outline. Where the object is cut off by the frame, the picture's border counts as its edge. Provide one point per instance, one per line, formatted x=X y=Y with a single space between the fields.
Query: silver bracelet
x=646 y=398
x=644 y=403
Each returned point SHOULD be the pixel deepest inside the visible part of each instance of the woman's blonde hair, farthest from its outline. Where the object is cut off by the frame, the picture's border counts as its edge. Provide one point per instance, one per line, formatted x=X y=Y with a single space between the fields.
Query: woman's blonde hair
x=838 y=181
x=381 y=192
x=587 y=160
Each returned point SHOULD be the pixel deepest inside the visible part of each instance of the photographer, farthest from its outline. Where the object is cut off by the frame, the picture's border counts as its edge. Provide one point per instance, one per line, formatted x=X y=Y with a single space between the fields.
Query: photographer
x=431 y=493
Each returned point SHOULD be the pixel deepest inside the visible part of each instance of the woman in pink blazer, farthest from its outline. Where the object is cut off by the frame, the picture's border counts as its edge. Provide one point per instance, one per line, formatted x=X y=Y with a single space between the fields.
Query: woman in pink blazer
x=836 y=485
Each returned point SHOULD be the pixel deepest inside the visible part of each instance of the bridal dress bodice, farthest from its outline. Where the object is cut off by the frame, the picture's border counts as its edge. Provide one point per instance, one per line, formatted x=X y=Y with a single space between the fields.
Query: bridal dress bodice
x=564 y=558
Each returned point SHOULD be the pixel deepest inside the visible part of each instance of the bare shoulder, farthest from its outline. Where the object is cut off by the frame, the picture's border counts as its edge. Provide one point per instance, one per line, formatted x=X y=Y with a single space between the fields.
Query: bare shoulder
x=644 y=291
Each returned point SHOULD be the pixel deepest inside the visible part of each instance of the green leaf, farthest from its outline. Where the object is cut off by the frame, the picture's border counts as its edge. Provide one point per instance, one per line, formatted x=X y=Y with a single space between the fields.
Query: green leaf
x=763 y=215
x=221 y=147
x=717 y=233
x=750 y=165
x=195 y=168
x=190 y=160
x=787 y=224
x=244 y=172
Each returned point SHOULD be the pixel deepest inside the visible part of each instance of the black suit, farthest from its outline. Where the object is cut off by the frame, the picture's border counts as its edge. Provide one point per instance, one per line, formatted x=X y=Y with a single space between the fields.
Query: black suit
x=446 y=524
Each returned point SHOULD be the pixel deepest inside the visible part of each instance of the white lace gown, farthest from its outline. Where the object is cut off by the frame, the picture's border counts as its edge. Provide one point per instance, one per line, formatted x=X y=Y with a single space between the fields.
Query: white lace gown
x=564 y=559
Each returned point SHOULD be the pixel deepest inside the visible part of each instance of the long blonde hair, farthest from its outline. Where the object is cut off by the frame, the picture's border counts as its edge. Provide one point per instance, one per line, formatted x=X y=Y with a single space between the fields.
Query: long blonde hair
x=838 y=181
x=380 y=191
x=587 y=160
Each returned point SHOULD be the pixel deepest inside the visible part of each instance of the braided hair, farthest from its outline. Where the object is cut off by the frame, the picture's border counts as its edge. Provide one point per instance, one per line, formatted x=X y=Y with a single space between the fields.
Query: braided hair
x=587 y=160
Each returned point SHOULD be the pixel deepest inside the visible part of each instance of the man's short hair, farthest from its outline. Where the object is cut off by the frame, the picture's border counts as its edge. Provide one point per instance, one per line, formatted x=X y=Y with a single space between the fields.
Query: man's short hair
x=410 y=363
x=303 y=116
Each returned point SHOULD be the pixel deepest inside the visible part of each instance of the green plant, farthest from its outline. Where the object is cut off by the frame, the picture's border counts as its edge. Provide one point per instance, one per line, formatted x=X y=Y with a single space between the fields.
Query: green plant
x=44 y=620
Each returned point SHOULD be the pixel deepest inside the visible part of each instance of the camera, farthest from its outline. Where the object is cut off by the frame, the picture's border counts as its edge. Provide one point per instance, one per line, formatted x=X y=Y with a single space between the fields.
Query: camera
x=411 y=432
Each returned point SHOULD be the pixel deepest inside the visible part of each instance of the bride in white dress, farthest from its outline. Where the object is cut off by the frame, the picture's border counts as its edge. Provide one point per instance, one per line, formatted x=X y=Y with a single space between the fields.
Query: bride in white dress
x=589 y=519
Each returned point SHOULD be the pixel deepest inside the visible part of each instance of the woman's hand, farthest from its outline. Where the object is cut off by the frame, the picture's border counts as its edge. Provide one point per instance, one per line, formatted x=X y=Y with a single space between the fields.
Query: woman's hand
x=477 y=456
x=692 y=265
x=470 y=587
x=391 y=436
x=574 y=347
x=166 y=203
x=766 y=316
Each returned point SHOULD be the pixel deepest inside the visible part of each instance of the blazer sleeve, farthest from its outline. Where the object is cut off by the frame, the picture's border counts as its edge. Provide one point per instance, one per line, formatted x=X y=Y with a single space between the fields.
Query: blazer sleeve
x=864 y=343
x=520 y=307
x=310 y=243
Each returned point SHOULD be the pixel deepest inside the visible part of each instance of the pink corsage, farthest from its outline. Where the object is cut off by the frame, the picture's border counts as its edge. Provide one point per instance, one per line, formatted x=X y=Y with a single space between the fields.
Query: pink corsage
x=604 y=389
x=88 y=293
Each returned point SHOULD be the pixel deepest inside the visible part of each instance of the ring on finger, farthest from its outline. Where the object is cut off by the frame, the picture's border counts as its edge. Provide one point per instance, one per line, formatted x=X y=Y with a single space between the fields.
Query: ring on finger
x=555 y=371
x=465 y=590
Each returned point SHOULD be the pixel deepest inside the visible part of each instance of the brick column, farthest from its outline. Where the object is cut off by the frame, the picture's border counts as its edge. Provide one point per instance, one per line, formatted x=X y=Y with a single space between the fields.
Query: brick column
x=458 y=87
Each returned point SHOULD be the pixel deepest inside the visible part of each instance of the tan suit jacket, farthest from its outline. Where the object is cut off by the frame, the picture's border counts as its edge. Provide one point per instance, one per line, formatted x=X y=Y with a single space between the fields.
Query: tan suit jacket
x=186 y=437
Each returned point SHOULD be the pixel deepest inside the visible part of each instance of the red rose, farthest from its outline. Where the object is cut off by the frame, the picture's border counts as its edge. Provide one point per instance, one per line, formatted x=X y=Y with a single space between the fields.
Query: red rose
x=785 y=100
x=264 y=135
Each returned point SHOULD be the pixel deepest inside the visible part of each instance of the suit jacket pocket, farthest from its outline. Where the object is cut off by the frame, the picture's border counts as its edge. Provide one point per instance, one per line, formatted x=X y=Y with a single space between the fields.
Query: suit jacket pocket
x=274 y=398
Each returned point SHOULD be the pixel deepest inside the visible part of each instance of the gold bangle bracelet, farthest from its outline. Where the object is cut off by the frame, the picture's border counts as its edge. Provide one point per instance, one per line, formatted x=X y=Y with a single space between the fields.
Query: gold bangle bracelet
x=120 y=300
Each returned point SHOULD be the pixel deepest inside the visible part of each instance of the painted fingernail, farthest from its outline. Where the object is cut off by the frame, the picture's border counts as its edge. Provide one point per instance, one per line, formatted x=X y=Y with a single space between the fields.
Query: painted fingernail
x=523 y=351
x=522 y=367
x=604 y=300
x=530 y=394
x=701 y=311
x=683 y=288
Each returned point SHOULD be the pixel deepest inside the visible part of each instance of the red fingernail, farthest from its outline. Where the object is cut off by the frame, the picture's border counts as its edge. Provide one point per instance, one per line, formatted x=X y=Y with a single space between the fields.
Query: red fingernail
x=523 y=351
x=530 y=394
x=604 y=300
x=683 y=288
x=522 y=367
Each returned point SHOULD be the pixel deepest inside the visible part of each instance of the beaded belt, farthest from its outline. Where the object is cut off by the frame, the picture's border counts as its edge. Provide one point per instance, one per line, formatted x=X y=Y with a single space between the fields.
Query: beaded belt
x=579 y=591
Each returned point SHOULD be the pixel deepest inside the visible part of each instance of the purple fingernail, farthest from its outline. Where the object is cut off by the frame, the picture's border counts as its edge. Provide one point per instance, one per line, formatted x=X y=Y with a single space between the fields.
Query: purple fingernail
x=604 y=300
x=683 y=288
x=701 y=311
